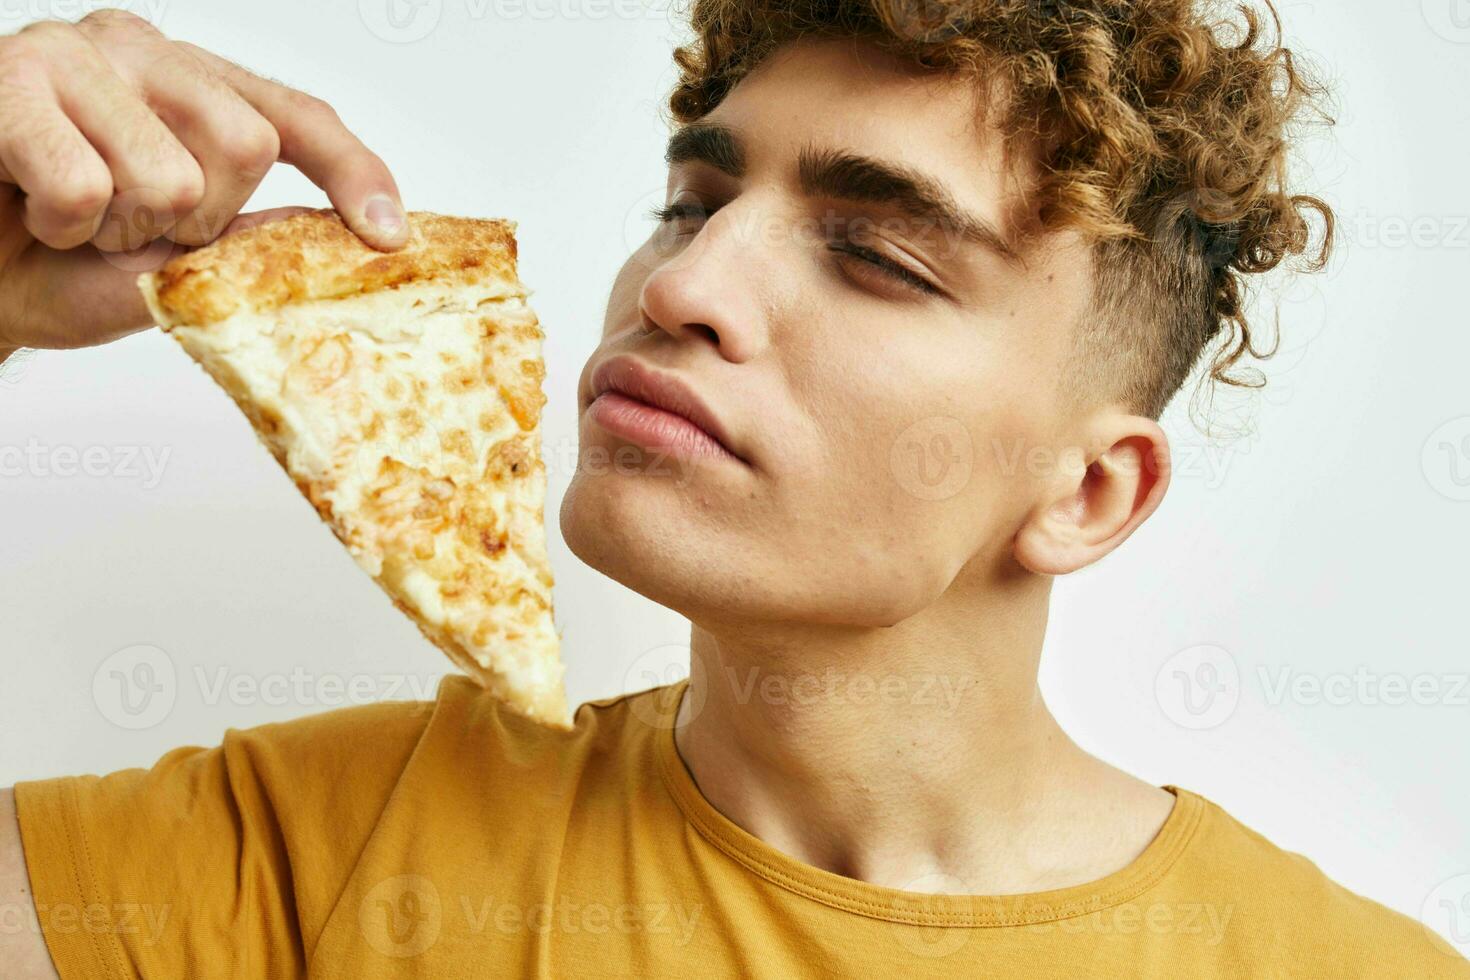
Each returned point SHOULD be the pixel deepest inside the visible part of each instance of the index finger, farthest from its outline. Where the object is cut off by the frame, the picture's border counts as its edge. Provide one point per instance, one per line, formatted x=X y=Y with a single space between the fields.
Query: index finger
x=315 y=141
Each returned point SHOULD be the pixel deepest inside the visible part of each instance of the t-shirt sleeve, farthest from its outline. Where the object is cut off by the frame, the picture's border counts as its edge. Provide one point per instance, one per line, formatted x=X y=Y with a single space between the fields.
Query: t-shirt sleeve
x=215 y=862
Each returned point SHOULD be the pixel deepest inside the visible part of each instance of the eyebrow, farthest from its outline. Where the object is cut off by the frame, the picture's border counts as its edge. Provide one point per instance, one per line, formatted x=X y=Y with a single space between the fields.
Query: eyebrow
x=848 y=176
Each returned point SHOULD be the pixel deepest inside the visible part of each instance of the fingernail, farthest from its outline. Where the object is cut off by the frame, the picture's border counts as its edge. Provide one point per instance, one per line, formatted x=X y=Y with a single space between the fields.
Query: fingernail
x=386 y=214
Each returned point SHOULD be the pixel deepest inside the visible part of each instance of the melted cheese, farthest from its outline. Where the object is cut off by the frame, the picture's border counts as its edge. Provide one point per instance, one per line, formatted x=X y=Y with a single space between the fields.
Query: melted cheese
x=410 y=418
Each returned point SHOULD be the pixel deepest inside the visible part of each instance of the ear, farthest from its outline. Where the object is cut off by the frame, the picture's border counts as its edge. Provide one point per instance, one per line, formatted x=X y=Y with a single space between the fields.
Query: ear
x=1088 y=511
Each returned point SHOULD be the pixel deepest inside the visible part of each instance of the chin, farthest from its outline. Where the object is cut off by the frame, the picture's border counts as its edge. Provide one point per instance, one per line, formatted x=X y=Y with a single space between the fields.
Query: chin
x=671 y=545
x=677 y=546
x=637 y=530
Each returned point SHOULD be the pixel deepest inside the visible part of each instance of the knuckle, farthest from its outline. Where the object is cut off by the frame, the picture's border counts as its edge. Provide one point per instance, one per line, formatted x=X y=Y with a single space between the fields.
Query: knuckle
x=311 y=107
x=184 y=190
x=113 y=18
x=368 y=160
x=19 y=57
x=253 y=150
x=48 y=32
x=78 y=197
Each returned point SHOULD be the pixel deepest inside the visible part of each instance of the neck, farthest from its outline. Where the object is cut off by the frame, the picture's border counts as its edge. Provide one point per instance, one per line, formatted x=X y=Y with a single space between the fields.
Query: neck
x=920 y=756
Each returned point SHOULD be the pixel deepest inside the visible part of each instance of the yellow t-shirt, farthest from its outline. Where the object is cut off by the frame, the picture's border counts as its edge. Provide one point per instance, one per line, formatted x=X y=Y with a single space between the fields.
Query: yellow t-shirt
x=454 y=840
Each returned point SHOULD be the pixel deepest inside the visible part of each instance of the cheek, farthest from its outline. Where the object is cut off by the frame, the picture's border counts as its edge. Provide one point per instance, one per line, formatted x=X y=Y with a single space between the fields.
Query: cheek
x=892 y=491
x=622 y=300
x=928 y=446
x=902 y=420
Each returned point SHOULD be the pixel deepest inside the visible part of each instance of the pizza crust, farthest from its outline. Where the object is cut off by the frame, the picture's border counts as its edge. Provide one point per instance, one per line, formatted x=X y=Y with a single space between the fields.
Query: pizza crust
x=315 y=256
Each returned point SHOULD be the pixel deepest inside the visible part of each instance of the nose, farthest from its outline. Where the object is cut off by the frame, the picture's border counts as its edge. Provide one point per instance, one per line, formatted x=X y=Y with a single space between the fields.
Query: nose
x=710 y=292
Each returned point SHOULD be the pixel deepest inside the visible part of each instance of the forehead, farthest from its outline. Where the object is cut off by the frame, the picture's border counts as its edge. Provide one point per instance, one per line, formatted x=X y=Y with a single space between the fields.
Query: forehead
x=850 y=94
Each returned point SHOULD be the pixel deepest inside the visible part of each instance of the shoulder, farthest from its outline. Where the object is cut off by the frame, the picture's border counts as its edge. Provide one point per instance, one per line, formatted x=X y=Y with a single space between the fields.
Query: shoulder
x=1284 y=901
x=474 y=725
x=464 y=727
x=277 y=818
x=345 y=737
x=268 y=822
x=478 y=758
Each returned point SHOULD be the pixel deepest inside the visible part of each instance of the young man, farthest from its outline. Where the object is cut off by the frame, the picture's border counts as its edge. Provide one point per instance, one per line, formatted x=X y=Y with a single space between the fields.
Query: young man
x=905 y=227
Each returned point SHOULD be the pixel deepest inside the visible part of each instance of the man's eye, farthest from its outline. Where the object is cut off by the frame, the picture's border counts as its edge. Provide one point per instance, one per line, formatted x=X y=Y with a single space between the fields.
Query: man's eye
x=668 y=213
x=891 y=269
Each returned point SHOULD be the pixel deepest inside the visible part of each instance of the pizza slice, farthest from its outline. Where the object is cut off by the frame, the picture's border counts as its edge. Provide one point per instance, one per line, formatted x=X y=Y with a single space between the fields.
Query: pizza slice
x=401 y=391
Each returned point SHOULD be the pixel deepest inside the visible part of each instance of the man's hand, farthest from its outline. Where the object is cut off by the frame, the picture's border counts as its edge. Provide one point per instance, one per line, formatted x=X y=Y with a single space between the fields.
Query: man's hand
x=120 y=148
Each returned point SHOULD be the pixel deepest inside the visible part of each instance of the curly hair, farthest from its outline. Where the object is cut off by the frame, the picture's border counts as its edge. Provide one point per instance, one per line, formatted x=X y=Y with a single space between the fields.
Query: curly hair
x=1161 y=130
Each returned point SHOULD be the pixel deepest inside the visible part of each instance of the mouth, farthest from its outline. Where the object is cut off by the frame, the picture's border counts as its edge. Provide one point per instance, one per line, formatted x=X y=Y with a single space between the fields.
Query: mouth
x=656 y=411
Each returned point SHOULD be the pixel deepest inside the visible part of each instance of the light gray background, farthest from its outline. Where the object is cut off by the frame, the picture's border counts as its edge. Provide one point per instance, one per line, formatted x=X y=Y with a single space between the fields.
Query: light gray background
x=1327 y=546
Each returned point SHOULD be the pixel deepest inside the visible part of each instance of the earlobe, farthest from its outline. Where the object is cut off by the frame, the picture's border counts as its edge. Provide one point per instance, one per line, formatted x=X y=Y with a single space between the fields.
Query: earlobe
x=1047 y=542
x=1089 y=513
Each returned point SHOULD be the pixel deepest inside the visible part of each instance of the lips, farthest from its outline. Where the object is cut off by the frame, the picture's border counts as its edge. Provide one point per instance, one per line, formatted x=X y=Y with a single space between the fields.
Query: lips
x=655 y=410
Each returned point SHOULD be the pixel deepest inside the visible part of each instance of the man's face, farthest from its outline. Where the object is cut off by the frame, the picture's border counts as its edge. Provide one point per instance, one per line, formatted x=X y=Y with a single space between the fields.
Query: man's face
x=885 y=380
